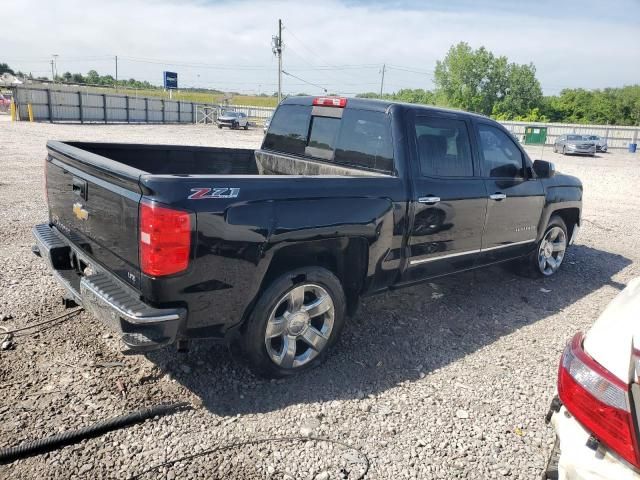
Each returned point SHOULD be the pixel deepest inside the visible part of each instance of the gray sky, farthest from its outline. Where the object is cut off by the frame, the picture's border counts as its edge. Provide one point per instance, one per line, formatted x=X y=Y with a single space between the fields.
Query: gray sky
x=340 y=45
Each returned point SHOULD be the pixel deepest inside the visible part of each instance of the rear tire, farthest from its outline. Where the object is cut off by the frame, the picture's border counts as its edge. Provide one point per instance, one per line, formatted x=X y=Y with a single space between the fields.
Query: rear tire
x=549 y=253
x=246 y=127
x=301 y=308
x=564 y=150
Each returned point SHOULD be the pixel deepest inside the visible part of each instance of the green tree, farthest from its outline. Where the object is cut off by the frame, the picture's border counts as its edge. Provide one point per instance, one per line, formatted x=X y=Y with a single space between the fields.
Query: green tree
x=4 y=68
x=472 y=80
x=522 y=96
x=93 y=77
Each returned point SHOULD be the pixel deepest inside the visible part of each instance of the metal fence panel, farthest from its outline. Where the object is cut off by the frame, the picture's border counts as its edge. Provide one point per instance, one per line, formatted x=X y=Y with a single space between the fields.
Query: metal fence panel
x=155 y=110
x=85 y=104
x=68 y=103
x=617 y=136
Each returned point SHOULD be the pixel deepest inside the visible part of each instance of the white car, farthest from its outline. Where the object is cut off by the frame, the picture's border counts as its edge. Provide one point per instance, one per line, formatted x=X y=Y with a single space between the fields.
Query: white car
x=595 y=414
x=233 y=119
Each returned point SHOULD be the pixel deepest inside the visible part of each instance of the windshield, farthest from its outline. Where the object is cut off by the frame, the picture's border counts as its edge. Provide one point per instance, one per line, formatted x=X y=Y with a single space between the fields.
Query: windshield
x=574 y=137
x=229 y=114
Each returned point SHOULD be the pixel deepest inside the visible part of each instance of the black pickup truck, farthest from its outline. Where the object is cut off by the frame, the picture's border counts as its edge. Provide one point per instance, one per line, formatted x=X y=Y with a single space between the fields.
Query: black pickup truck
x=272 y=248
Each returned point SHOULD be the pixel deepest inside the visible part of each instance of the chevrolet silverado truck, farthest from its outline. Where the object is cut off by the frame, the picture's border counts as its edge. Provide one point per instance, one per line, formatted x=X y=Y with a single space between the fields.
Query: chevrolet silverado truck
x=271 y=249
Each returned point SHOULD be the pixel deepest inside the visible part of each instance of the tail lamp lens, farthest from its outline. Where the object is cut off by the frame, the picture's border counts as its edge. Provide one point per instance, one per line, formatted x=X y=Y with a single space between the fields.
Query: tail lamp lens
x=339 y=102
x=598 y=400
x=165 y=240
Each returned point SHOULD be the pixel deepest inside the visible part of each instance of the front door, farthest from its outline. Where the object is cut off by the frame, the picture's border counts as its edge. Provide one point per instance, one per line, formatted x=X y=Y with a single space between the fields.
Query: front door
x=450 y=201
x=516 y=197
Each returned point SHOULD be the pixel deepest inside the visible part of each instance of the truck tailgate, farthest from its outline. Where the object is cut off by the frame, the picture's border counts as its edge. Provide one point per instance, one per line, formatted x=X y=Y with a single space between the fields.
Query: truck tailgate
x=93 y=201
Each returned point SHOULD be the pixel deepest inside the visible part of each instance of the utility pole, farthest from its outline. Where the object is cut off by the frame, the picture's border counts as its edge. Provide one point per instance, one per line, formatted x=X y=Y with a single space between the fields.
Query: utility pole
x=277 y=51
x=55 y=66
x=53 y=76
x=116 y=73
x=384 y=66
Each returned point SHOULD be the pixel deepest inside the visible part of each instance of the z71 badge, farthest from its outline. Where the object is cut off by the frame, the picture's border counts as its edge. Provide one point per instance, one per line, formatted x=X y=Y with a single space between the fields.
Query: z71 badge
x=202 y=193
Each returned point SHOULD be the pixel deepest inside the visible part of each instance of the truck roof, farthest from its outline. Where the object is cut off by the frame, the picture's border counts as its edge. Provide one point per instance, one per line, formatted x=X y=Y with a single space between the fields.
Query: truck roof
x=378 y=105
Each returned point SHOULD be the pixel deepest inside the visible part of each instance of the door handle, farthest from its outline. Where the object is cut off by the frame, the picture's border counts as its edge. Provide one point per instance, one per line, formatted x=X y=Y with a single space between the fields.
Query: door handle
x=497 y=196
x=429 y=200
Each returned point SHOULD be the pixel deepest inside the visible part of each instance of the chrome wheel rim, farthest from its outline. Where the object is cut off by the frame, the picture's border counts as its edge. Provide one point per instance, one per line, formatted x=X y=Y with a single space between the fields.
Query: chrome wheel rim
x=299 y=326
x=551 y=250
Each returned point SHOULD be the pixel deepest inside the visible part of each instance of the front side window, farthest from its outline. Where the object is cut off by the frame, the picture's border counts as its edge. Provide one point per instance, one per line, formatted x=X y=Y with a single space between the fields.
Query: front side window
x=502 y=157
x=443 y=147
x=288 y=129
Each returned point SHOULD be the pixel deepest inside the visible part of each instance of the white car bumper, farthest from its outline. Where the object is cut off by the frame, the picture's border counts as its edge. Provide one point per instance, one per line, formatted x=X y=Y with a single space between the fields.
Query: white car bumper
x=577 y=461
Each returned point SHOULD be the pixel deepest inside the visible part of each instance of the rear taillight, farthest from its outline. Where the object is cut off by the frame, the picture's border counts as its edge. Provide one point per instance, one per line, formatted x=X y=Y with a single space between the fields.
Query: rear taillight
x=340 y=102
x=165 y=240
x=598 y=400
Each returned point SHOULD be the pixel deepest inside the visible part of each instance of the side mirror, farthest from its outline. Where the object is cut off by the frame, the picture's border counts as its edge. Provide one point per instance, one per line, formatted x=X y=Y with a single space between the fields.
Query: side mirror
x=544 y=169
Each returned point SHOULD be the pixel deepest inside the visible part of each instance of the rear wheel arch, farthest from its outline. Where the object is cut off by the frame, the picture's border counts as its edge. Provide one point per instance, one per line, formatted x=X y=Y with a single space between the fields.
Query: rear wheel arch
x=345 y=257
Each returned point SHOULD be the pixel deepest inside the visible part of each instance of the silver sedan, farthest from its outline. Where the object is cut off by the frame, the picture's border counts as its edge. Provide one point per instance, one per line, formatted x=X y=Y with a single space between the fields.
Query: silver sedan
x=600 y=143
x=572 y=143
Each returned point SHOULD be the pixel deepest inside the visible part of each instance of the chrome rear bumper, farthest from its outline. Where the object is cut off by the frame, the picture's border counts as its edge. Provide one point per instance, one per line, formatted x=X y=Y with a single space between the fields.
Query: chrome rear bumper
x=140 y=326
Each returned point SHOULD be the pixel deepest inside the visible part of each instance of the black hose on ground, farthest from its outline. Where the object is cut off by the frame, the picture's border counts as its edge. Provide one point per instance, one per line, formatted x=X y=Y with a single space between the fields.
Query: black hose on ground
x=54 y=442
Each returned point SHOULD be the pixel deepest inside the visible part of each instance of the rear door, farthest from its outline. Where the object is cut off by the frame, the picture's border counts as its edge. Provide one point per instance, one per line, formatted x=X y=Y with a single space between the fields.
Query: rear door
x=516 y=197
x=94 y=201
x=449 y=200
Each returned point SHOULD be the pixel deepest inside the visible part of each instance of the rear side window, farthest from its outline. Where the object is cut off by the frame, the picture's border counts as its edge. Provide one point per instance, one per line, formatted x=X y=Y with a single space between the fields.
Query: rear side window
x=289 y=129
x=443 y=147
x=365 y=140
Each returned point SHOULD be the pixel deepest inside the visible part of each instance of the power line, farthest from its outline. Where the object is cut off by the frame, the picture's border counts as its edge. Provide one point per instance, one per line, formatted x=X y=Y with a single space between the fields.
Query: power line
x=303 y=80
x=316 y=55
x=410 y=69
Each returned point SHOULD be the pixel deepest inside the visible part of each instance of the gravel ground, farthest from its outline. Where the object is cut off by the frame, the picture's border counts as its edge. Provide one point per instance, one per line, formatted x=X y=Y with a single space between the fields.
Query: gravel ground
x=445 y=380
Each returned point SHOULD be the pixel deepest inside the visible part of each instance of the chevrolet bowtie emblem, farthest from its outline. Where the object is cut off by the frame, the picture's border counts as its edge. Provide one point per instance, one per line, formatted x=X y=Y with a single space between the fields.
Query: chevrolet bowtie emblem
x=80 y=212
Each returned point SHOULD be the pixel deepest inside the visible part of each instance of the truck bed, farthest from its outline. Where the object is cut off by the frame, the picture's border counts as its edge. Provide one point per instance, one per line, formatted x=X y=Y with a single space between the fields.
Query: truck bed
x=176 y=159
x=190 y=160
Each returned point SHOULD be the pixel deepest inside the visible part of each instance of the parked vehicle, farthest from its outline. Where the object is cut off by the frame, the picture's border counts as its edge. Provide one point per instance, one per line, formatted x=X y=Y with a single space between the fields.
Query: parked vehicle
x=577 y=144
x=267 y=122
x=233 y=119
x=599 y=142
x=595 y=415
x=272 y=248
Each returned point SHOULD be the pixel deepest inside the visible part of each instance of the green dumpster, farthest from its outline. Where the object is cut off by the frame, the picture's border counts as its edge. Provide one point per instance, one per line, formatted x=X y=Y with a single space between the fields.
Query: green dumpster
x=535 y=135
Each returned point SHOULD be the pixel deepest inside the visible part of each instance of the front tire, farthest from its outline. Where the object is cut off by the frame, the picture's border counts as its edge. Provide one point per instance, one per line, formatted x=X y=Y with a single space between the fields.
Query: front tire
x=550 y=251
x=296 y=320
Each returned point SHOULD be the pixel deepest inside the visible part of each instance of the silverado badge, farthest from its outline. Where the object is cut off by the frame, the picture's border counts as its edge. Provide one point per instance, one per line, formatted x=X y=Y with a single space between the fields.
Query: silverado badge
x=80 y=212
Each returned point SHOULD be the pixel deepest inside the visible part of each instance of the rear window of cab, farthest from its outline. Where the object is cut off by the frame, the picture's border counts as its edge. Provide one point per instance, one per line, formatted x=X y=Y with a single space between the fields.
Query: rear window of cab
x=360 y=139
